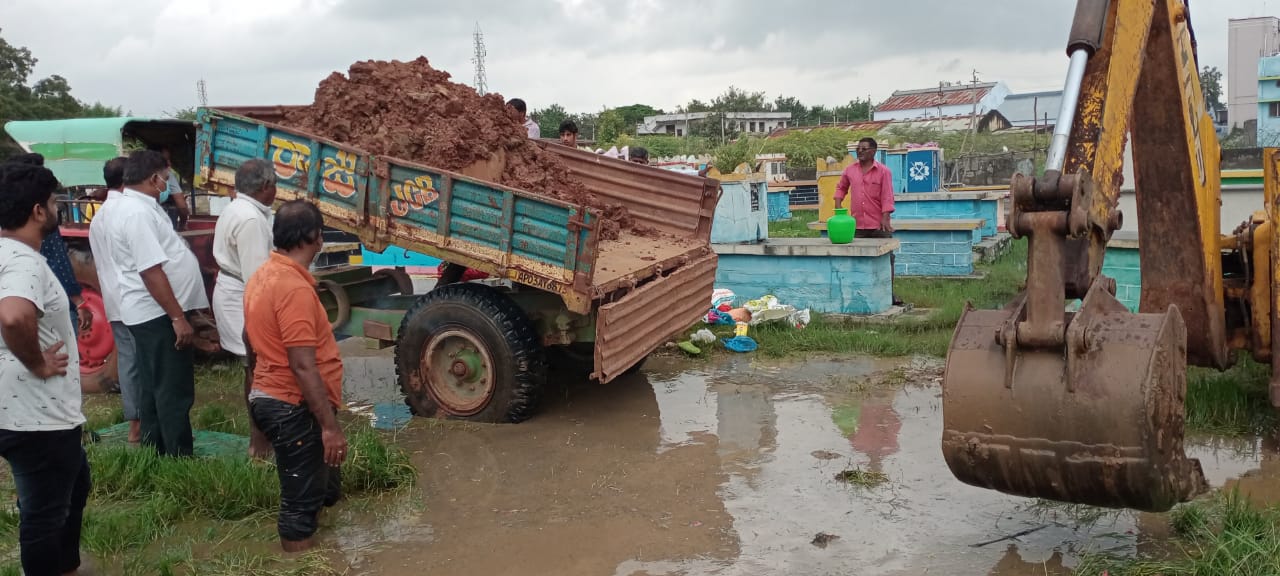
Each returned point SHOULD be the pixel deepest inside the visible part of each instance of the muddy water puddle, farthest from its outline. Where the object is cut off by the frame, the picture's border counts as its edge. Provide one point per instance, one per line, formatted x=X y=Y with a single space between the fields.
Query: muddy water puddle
x=730 y=468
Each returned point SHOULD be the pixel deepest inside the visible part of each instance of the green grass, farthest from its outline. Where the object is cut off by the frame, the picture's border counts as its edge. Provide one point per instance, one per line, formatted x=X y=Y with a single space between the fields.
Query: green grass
x=861 y=478
x=1222 y=535
x=1231 y=402
x=374 y=465
x=796 y=227
x=154 y=515
x=219 y=418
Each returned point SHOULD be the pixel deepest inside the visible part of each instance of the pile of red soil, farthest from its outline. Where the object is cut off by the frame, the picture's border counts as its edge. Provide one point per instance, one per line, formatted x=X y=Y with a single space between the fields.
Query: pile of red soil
x=412 y=111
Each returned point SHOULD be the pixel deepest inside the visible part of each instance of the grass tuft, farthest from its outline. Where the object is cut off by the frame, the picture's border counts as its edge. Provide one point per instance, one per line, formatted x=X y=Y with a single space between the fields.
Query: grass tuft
x=1222 y=535
x=1233 y=402
x=373 y=465
x=862 y=478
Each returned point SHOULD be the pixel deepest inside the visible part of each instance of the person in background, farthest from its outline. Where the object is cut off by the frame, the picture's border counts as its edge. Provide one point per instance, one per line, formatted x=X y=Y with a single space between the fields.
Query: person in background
x=242 y=243
x=569 y=133
x=109 y=283
x=297 y=374
x=160 y=284
x=529 y=125
x=639 y=155
x=869 y=186
x=54 y=249
x=39 y=380
x=173 y=198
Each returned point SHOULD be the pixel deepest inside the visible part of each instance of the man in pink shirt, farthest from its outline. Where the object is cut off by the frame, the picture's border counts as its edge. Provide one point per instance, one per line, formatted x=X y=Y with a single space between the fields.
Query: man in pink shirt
x=869 y=186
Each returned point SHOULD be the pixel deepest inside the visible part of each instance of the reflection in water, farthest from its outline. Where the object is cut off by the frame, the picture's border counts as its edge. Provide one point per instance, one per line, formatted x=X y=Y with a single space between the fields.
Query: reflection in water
x=877 y=429
x=729 y=470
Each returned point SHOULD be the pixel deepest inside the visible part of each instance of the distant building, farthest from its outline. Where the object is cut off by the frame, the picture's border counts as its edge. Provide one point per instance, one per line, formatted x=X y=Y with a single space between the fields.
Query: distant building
x=1034 y=109
x=947 y=100
x=744 y=122
x=1248 y=39
x=1269 y=101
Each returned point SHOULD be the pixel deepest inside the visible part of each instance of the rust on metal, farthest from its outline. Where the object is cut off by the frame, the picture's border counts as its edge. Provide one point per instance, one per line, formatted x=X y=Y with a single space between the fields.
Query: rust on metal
x=679 y=204
x=649 y=316
x=1113 y=438
x=1172 y=201
x=1089 y=407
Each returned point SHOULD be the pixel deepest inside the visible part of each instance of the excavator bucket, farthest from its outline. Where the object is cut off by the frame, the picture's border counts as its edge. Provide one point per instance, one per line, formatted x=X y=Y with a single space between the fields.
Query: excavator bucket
x=1099 y=422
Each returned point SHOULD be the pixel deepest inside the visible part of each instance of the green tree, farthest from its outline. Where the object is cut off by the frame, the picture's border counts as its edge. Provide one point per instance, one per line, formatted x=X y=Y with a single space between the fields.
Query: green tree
x=1211 y=85
x=635 y=114
x=799 y=112
x=188 y=113
x=856 y=110
x=735 y=99
x=610 y=126
x=47 y=99
x=549 y=120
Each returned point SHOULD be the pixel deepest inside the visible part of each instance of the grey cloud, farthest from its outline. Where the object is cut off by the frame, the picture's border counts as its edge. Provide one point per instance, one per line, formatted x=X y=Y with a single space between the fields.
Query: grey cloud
x=581 y=53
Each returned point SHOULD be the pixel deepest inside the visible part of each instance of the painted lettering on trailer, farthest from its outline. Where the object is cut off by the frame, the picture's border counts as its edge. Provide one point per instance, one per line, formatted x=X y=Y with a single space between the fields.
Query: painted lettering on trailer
x=289 y=157
x=522 y=277
x=1194 y=103
x=412 y=195
x=339 y=174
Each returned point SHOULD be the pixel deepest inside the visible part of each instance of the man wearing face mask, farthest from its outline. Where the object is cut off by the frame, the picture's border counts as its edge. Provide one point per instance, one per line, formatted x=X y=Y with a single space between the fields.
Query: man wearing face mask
x=160 y=284
x=173 y=199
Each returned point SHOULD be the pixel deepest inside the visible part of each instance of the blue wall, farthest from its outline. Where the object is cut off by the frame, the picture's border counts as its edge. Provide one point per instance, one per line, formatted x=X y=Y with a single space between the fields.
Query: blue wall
x=1122 y=264
x=934 y=253
x=779 y=206
x=839 y=284
x=951 y=210
x=1268 y=94
x=396 y=256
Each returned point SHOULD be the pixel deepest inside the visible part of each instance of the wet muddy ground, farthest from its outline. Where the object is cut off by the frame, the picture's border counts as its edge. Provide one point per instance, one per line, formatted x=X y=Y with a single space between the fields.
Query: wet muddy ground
x=729 y=468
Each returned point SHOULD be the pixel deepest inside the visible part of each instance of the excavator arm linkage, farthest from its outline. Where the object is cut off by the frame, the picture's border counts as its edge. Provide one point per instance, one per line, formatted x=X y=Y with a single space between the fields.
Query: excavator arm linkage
x=1088 y=407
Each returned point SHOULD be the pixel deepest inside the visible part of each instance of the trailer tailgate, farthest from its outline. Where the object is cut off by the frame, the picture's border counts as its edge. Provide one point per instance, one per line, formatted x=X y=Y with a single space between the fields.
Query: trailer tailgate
x=646 y=318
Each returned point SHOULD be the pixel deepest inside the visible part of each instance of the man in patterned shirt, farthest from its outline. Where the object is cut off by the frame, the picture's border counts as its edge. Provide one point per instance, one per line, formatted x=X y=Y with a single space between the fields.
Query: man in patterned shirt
x=40 y=418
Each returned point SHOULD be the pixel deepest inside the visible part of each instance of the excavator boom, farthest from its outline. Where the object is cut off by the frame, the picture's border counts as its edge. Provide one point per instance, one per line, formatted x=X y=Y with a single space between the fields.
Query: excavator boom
x=1088 y=407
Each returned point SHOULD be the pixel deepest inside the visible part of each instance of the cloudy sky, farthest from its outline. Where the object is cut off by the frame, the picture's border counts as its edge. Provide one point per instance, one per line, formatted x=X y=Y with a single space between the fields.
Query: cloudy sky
x=147 y=55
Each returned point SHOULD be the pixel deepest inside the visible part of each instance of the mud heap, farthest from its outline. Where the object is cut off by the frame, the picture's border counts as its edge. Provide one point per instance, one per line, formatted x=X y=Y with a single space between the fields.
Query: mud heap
x=412 y=111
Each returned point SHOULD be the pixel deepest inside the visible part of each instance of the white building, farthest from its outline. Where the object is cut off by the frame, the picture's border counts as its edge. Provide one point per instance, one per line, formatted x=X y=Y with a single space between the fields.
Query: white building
x=745 y=122
x=1248 y=40
x=1032 y=109
x=944 y=101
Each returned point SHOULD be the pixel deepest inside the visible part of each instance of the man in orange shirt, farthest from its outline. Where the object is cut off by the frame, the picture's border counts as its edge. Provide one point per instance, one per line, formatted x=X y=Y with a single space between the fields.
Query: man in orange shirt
x=297 y=374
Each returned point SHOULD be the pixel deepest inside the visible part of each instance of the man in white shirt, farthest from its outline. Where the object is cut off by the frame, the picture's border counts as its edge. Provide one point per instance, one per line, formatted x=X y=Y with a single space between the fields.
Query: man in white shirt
x=241 y=243
x=529 y=125
x=109 y=285
x=160 y=284
x=39 y=379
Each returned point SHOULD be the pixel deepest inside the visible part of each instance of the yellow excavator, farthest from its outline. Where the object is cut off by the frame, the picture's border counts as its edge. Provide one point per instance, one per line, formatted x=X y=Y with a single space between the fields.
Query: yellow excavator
x=1088 y=406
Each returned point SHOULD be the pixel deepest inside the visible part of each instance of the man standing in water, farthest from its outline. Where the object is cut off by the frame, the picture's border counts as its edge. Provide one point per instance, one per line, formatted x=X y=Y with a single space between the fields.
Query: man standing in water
x=297 y=374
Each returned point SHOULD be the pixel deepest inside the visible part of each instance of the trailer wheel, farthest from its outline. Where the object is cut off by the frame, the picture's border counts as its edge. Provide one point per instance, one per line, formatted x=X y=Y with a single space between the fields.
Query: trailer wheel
x=468 y=352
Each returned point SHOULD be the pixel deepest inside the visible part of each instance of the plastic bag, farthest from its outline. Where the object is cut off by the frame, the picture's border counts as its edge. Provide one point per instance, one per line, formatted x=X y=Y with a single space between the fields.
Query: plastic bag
x=740 y=344
x=703 y=336
x=722 y=296
x=767 y=309
x=716 y=317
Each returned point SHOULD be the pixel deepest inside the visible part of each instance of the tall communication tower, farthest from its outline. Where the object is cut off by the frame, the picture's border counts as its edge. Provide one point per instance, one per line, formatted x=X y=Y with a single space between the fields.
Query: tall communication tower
x=202 y=94
x=481 y=83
